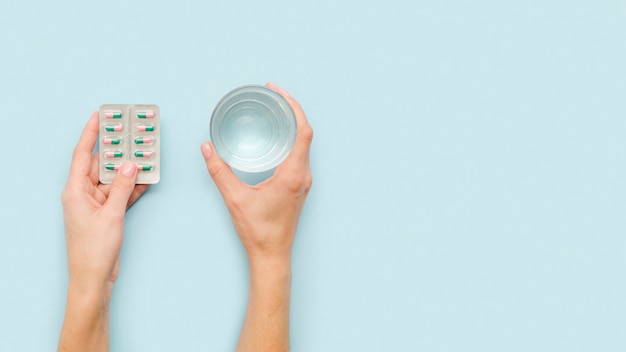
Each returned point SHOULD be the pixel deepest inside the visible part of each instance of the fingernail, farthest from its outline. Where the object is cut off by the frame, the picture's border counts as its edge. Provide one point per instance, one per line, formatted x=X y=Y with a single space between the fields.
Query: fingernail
x=206 y=150
x=272 y=85
x=283 y=92
x=128 y=169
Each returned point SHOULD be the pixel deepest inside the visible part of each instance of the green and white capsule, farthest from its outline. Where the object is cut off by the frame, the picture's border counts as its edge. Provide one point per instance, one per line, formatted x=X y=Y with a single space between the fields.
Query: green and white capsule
x=114 y=141
x=145 y=128
x=148 y=114
x=112 y=114
x=114 y=154
x=144 y=167
x=143 y=154
x=112 y=167
x=143 y=140
x=113 y=128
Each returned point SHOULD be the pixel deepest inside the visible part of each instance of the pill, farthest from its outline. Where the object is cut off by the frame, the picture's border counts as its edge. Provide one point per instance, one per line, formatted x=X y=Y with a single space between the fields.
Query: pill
x=113 y=114
x=145 y=128
x=143 y=154
x=113 y=128
x=112 y=166
x=144 y=167
x=143 y=140
x=111 y=140
x=115 y=154
x=148 y=114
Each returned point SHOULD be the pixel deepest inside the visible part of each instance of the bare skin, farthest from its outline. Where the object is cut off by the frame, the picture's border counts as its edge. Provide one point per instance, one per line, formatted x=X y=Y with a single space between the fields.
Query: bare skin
x=94 y=226
x=265 y=217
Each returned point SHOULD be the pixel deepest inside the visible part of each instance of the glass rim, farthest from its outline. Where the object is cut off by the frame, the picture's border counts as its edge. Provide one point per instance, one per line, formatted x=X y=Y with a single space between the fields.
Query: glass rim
x=284 y=115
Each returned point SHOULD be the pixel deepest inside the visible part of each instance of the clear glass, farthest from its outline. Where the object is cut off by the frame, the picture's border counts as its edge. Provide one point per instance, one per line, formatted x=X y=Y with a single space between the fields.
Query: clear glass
x=253 y=129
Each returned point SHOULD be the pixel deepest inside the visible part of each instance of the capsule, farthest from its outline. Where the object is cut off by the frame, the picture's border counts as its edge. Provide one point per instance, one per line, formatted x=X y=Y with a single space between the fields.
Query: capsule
x=112 y=167
x=145 y=128
x=115 y=154
x=113 y=128
x=143 y=154
x=143 y=140
x=111 y=140
x=144 y=167
x=113 y=114
x=148 y=114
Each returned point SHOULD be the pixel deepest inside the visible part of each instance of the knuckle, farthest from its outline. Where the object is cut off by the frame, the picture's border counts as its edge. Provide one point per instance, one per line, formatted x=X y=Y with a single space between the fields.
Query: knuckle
x=76 y=152
x=233 y=203
x=70 y=194
x=115 y=215
x=120 y=185
x=116 y=187
x=215 y=170
x=308 y=183
x=307 y=134
x=296 y=105
x=66 y=197
x=296 y=183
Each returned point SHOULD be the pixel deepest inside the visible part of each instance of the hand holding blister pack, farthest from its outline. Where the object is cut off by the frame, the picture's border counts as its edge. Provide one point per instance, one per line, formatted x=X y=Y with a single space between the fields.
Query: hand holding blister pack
x=130 y=132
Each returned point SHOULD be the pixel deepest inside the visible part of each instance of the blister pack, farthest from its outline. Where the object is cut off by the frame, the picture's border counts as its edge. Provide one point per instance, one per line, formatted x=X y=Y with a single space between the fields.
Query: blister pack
x=130 y=132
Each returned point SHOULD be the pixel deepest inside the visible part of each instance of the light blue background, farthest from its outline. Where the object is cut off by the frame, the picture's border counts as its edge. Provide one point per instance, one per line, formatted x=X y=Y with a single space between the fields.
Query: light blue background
x=469 y=181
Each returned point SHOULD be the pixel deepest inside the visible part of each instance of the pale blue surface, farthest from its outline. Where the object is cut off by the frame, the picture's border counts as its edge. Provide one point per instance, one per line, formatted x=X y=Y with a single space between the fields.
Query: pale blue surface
x=469 y=170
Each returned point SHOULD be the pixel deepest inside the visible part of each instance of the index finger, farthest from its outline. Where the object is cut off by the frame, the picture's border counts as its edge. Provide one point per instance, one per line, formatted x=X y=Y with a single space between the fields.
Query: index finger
x=81 y=159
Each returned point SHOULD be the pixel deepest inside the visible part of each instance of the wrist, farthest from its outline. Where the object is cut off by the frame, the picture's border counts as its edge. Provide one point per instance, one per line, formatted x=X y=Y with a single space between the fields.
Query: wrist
x=270 y=271
x=262 y=263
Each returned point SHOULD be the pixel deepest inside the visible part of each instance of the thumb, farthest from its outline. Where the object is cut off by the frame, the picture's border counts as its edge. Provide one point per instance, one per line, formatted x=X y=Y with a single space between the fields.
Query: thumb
x=122 y=187
x=222 y=175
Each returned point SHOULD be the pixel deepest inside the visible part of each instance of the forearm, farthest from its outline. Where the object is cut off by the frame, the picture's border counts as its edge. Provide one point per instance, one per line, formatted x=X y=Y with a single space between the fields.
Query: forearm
x=265 y=217
x=266 y=325
x=86 y=323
